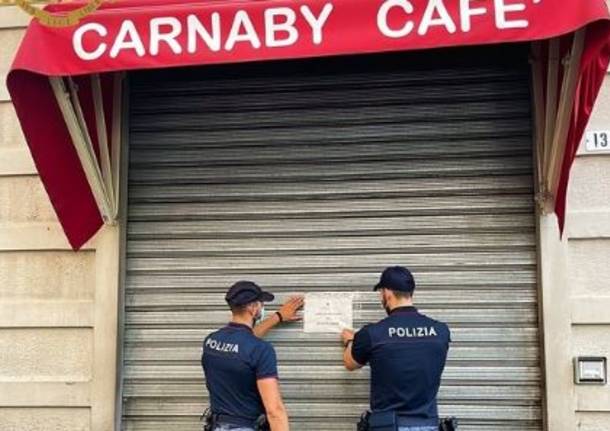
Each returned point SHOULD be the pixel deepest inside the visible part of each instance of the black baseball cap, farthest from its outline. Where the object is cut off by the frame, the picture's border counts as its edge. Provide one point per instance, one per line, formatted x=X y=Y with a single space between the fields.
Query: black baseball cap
x=245 y=292
x=396 y=278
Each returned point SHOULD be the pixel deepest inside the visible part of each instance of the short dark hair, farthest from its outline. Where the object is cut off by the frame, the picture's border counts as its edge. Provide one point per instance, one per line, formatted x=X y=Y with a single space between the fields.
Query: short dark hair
x=402 y=295
x=238 y=308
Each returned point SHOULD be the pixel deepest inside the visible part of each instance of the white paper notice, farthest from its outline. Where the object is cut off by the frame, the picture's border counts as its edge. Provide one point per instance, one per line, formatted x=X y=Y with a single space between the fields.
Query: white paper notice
x=328 y=312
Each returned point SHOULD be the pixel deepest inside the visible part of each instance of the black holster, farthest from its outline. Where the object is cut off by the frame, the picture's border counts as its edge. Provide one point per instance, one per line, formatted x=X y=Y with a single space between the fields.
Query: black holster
x=262 y=424
x=363 y=423
x=448 y=424
x=208 y=420
x=382 y=421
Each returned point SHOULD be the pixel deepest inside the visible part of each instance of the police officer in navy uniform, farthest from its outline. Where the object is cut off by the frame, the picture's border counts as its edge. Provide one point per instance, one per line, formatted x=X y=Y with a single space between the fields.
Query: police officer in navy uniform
x=406 y=352
x=240 y=368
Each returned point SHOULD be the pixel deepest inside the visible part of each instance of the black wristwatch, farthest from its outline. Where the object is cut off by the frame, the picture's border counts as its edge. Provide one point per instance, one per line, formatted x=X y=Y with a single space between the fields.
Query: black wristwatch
x=279 y=315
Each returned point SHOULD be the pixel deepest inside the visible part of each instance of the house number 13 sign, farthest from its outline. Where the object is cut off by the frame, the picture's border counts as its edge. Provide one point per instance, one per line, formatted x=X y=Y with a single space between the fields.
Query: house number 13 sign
x=597 y=141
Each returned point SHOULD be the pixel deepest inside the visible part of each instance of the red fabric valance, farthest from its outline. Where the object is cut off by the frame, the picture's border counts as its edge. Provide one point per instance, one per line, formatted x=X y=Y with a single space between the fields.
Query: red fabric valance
x=130 y=35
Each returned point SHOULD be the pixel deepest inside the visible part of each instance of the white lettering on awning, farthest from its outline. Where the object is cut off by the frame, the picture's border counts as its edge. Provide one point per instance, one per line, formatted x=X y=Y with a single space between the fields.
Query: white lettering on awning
x=382 y=18
x=275 y=28
x=128 y=38
x=317 y=22
x=242 y=22
x=197 y=30
x=157 y=35
x=468 y=13
x=502 y=22
x=77 y=41
x=435 y=15
x=279 y=27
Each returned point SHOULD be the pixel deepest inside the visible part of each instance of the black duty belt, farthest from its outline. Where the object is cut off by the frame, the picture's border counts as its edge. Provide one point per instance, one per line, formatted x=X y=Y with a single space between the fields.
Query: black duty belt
x=391 y=421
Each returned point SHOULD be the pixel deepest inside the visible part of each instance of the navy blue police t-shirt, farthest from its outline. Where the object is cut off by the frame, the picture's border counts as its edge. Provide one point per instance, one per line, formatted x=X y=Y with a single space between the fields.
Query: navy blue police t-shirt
x=233 y=360
x=407 y=353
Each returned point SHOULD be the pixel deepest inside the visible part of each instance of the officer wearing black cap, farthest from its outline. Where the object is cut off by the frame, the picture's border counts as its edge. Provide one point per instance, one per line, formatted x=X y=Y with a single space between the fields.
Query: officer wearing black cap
x=406 y=352
x=240 y=368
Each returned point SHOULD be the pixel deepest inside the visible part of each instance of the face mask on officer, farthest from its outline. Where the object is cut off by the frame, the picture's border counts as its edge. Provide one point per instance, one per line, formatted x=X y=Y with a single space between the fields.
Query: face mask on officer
x=260 y=312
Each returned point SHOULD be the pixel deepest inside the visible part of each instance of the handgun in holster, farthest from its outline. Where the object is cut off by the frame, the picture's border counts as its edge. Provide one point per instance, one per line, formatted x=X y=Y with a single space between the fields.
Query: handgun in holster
x=208 y=420
x=378 y=421
x=363 y=423
x=262 y=424
x=448 y=424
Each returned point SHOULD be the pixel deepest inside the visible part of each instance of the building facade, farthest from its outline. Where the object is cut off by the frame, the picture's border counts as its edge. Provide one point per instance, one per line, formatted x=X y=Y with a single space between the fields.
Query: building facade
x=66 y=316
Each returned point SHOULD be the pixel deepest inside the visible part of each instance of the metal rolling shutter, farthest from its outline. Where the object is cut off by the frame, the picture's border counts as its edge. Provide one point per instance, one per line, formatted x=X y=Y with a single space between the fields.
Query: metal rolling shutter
x=313 y=176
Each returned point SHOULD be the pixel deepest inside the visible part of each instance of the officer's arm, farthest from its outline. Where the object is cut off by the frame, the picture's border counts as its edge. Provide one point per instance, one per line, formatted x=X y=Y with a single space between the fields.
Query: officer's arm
x=360 y=341
x=288 y=311
x=261 y=329
x=269 y=390
x=348 y=360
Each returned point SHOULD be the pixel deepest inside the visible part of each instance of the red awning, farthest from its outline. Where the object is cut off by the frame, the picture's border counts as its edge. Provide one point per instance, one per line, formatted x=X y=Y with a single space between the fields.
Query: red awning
x=129 y=35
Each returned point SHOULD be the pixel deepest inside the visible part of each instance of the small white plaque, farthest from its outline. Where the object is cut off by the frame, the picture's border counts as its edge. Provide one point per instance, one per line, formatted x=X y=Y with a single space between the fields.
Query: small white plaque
x=328 y=312
x=597 y=141
x=590 y=370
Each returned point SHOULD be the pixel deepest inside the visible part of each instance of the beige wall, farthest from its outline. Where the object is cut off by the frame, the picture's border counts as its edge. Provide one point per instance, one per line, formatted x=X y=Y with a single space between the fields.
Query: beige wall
x=57 y=308
x=575 y=275
x=588 y=263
